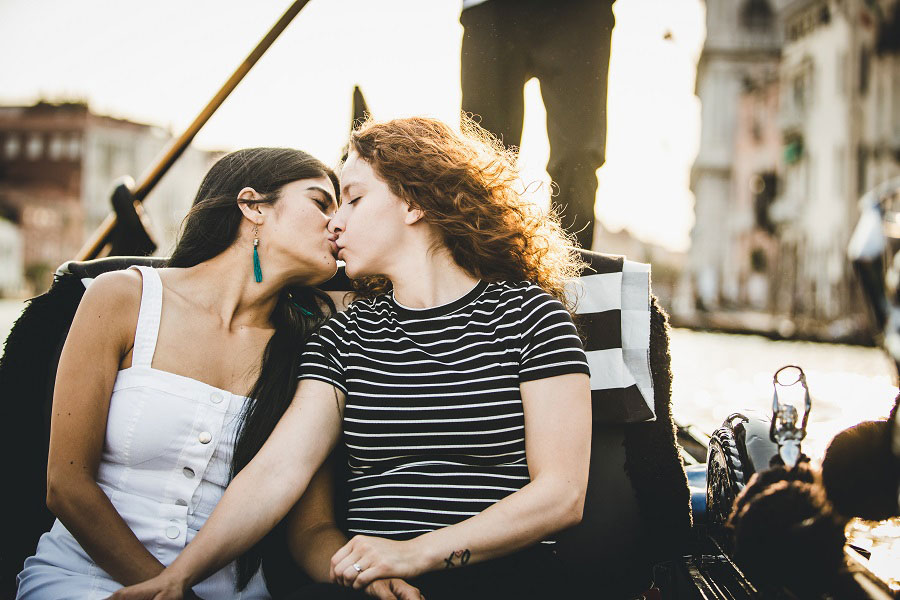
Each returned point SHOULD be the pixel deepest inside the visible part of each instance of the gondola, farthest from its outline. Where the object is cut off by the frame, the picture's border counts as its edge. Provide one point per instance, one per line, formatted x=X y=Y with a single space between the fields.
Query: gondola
x=659 y=493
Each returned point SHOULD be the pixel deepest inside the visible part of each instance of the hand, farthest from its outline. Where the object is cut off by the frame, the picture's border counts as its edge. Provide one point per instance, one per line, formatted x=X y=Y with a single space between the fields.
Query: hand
x=158 y=588
x=364 y=559
x=393 y=589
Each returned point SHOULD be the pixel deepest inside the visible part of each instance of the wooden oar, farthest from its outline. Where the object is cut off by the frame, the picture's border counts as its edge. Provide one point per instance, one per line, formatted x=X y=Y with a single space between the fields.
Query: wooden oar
x=103 y=234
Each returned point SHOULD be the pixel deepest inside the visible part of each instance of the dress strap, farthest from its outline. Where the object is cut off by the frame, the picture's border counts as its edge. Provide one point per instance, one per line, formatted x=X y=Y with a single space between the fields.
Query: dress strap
x=148 y=317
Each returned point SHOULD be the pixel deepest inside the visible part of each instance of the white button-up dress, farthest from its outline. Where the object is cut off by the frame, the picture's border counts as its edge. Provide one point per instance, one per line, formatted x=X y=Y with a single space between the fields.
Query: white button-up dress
x=165 y=465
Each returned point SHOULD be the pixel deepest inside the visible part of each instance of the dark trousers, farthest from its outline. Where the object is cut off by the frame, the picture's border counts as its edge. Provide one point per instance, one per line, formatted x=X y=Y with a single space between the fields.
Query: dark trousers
x=566 y=45
x=532 y=573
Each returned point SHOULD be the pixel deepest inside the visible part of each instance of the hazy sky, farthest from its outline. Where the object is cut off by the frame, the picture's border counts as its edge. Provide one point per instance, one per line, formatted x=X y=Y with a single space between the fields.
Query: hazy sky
x=160 y=62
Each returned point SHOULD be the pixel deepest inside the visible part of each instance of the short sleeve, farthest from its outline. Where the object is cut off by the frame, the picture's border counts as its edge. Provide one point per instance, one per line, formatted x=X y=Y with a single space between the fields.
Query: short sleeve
x=550 y=343
x=321 y=358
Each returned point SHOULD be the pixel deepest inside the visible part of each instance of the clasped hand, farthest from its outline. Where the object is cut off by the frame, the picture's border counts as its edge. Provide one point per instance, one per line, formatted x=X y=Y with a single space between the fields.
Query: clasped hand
x=157 y=588
x=365 y=559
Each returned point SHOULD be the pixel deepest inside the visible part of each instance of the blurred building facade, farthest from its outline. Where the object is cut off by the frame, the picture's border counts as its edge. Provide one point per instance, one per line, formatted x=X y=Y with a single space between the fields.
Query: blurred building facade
x=813 y=128
x=58 y=164
x=742 y=44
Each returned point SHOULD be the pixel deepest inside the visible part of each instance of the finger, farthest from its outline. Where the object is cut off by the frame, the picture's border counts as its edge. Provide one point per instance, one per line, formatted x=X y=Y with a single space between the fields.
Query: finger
x=405 y=591
x=346 y=570
x=349 y=559
x=339 y=569
x=381 y=590
x=339 y=556
x=367 y=576
x=350 y=575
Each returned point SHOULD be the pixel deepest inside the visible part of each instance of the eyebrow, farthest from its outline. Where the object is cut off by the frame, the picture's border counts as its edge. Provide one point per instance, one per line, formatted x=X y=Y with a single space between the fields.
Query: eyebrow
x=345 y=189
x=318 y=188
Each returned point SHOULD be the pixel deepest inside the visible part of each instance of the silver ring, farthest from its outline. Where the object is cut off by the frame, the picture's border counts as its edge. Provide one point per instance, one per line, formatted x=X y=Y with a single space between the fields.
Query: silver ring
x=358 y=568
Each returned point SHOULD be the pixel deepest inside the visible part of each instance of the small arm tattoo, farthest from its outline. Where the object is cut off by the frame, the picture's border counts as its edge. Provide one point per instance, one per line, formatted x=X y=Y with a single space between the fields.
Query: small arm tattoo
x=462 y=556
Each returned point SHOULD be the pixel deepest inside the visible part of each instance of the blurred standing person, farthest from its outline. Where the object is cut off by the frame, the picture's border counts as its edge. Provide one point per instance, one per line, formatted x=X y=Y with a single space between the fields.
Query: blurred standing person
x=566 y=45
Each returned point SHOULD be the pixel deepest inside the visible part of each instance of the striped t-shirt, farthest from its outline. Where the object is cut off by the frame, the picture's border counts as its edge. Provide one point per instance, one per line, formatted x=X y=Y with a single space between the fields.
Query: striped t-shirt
x=433 y=423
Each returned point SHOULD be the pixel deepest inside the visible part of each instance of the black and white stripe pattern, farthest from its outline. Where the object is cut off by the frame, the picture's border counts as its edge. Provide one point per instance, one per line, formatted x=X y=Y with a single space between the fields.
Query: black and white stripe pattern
x=612 y=312
x=433 y=424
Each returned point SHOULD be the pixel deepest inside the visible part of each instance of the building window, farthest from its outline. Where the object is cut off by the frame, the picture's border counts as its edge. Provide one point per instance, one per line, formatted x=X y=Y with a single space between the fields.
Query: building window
x=56 y=147
x=759 y=263
x=802 y=84
x=862 y=163
x=764 y=187
x=12 y=146
x=756 y=15
x=35 y=146
x=74 y=146
x=793 y=149
x=865 y=60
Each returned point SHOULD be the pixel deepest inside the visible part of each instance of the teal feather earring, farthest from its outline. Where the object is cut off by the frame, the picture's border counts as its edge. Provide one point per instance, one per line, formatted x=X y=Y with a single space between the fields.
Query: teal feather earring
x=257 y=269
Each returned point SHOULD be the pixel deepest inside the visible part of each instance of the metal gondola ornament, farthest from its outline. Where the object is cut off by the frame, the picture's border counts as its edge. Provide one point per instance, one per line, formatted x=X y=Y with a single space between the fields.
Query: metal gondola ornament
x=784 y=429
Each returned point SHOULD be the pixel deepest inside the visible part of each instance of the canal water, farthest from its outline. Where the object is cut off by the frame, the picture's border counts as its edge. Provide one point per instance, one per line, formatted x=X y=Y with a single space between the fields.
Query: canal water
x=717 y=374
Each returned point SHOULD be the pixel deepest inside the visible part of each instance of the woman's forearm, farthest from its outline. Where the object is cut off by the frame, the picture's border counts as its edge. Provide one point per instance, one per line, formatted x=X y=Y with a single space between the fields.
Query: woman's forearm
x=523 y=518
x=539 y=509
x=312 y=533
x=255 y=501
x=91 y=518
x=314 y=549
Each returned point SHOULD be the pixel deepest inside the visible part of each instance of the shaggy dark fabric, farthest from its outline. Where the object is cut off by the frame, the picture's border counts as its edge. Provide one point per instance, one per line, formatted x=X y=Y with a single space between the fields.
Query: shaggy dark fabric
x=860 y=473
x=786 y=533
x=651 y=456
x=27 y=377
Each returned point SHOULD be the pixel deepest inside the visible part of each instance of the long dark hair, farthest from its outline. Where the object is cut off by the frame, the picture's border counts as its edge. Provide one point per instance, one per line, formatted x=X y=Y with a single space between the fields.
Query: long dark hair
x=211 y=227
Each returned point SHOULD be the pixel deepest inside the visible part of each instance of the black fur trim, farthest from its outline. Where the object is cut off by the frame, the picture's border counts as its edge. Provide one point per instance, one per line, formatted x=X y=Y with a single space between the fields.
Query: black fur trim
x=27 y=378
x=652 y=460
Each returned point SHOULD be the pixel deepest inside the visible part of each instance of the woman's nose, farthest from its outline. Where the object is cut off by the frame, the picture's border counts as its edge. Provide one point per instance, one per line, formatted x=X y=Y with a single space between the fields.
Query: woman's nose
x=336 y=222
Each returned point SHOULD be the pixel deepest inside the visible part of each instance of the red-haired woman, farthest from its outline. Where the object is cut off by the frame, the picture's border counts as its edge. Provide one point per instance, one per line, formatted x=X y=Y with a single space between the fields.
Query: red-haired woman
x=457 y=379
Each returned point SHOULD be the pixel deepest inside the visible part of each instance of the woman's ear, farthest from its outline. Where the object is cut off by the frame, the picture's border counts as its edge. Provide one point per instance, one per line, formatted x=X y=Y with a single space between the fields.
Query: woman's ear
x=248 y=201
x=413 y=215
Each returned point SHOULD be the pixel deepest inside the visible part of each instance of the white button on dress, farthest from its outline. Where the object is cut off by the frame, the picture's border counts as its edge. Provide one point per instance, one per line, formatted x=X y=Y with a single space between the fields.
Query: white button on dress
x=162 y=482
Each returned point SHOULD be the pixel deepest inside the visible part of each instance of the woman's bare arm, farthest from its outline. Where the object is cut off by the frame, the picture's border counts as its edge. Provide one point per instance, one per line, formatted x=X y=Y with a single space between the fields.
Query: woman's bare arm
x=312 y=532
x=101 y=335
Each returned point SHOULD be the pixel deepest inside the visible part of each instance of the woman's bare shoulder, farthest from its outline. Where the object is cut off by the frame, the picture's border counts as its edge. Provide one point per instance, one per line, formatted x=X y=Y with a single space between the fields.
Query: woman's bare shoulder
x=115 y=287
x=114 y=298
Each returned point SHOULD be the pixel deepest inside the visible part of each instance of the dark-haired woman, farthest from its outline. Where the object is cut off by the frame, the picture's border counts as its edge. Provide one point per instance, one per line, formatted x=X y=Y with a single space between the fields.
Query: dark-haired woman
x=458 y=382
x=170 y=380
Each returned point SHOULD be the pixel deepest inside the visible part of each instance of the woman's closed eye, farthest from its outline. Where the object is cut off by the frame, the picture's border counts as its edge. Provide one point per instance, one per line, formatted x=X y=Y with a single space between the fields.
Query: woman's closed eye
x=325 y=205
x=354 y=200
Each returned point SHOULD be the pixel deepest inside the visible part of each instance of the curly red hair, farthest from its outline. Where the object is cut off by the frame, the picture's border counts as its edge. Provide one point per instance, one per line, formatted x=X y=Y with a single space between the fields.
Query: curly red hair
x=466 y=184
